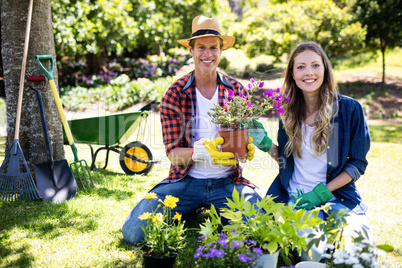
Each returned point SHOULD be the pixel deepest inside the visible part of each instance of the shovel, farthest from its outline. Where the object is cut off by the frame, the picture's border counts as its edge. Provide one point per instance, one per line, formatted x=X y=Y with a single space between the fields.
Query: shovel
x=78 y=164
x=54 y=179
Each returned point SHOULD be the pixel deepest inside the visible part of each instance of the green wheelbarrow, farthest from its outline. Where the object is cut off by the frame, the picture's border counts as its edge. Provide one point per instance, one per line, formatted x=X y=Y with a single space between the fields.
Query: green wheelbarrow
x=110 y=132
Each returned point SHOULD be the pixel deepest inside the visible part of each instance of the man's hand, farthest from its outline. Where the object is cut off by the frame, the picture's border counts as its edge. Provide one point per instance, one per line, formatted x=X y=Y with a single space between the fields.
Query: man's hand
x=260 y=137
x=319 y=195
x=205 y=149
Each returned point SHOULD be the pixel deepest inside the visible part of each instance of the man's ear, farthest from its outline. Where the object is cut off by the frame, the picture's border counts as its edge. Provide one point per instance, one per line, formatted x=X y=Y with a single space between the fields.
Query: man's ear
x=191 y=51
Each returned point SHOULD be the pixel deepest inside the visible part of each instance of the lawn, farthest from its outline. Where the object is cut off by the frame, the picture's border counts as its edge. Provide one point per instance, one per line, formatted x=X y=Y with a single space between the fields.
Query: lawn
x=86 y=231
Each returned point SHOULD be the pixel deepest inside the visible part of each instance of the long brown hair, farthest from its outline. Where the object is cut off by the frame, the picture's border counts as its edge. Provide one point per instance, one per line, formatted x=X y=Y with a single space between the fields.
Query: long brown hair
x=295 y=109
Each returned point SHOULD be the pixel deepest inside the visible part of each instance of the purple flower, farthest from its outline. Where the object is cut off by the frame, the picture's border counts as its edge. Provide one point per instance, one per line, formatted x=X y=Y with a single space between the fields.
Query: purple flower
x=252 y=80
x=230 y=93
x=212 y=251
x=219 y=253
x=252 y=242
x=268 y=93
x=197 y=255
x=202 y=237
x=278 y=98
x=249 y=105
x=223 y=235
x=222 y=242
x=236 y=244
x=279 y=111
x=261 y=84
x=257 y=251
x=249 y=86
x=287 y=99
x=243 y=258
x=278 y=90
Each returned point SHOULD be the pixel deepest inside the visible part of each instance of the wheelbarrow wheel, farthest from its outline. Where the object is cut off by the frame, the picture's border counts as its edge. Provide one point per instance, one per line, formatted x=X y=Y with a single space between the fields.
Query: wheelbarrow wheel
x=132 y=167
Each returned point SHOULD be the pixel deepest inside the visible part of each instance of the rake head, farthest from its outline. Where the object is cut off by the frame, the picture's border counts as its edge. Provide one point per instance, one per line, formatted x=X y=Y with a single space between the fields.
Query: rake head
x=16 y=182
x=81 y=167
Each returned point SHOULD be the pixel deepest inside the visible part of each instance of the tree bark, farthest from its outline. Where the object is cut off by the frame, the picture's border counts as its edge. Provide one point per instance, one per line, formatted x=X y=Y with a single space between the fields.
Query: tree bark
x=14 y=15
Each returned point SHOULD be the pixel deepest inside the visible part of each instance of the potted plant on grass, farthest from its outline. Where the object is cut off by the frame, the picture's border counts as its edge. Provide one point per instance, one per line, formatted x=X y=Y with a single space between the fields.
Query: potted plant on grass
x=273 y=226
x=163 y=234
x=238 y=111
x=226 y=250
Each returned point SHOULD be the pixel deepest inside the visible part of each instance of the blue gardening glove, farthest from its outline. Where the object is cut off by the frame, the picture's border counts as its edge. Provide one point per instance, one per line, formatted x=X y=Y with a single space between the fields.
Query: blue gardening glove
x=260 y=137
x=205 y=149
x=319 y=195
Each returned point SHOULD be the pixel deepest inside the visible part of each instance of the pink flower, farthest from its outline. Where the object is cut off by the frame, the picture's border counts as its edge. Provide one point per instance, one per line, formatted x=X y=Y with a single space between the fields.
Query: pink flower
x=268 y=92
x=261 y=84
x=249 y=86
x=249 y=105
x=252 y=80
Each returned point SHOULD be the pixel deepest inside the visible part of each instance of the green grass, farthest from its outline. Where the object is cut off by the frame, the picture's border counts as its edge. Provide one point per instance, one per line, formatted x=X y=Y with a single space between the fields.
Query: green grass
x=86 y=231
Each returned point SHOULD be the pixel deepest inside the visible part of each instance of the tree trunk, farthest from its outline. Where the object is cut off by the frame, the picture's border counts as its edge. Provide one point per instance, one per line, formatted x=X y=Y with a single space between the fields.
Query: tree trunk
x=14 y=15
x=95 y=63
x=2 y=90
x=383 y=47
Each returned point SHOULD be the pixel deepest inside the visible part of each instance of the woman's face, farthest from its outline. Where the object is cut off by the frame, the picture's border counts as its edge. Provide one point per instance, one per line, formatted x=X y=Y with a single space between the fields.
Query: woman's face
x=308 y=72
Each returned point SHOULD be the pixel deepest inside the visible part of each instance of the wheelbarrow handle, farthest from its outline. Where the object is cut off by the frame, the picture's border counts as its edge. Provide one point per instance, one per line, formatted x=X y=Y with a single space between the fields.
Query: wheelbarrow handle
x=39 y=59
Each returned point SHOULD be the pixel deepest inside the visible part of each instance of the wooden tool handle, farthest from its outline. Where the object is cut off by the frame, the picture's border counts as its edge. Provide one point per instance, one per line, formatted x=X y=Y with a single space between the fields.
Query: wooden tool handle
x=24 y=61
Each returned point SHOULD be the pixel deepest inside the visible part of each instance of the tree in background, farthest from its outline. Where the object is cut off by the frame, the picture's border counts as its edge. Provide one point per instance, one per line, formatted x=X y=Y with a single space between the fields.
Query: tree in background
x=14 y=15
x=163 y=22
x=383 y=21
x=94 y=29
x=276 y=28
x=99 y=28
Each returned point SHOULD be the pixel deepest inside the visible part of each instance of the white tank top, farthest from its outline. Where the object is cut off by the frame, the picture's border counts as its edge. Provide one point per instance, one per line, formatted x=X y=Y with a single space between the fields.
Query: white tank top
x=204 y=128
x=308 y=170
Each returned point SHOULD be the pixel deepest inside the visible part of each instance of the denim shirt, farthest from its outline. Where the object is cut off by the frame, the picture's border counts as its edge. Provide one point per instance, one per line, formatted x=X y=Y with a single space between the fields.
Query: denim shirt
x=347 y=148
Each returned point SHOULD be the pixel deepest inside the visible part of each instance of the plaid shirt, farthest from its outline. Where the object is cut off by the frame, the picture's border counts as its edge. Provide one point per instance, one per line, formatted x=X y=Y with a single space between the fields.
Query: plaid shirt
x=178 y=110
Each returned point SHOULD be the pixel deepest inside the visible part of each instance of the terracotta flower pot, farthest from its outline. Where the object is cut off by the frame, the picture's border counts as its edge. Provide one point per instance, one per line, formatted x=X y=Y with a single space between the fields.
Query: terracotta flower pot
x=149 y=261
x=235 y=142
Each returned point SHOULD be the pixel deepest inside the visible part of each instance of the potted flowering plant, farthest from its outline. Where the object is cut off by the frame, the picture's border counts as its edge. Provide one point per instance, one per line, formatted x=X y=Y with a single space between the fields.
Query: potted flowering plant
x=361 y=254
x=273 y=226
x=163 y=234
x=238 y=111
x=226 y=250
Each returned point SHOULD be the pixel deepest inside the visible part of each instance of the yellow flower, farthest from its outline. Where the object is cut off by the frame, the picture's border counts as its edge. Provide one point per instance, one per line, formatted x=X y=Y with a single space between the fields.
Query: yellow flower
x=158 y=217
x=145 y=216
x=129 y=254
x=150 y=196
x=170 y=201
x=177 y=216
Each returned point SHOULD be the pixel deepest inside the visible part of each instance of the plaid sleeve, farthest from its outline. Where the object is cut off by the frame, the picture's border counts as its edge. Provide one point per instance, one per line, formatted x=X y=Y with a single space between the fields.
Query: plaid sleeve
x=172 y=119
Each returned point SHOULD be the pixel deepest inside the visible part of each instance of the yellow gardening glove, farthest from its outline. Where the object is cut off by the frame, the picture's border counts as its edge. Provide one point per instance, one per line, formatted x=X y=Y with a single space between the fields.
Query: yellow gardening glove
x=205 y=149
x=250 y=149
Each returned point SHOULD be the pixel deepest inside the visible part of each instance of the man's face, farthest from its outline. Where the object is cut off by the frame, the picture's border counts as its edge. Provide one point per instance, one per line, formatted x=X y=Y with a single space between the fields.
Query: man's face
x=206 y=54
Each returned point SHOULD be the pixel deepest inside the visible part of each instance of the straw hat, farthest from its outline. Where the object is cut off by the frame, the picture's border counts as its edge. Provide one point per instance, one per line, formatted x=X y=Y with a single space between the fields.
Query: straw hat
x=203 y=26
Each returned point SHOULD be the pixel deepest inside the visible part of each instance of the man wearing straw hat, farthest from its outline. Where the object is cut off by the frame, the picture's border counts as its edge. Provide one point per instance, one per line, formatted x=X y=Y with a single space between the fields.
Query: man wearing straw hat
x=200 y=175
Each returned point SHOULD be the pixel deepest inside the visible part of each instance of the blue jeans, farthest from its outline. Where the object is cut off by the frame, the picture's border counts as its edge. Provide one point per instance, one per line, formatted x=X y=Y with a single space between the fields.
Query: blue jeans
x=356 y=222
x=193 y=194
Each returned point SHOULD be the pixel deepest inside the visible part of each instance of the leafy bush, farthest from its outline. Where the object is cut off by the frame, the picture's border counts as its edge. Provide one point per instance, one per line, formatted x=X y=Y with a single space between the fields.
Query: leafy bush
x=119 y=94
x=153 y=67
